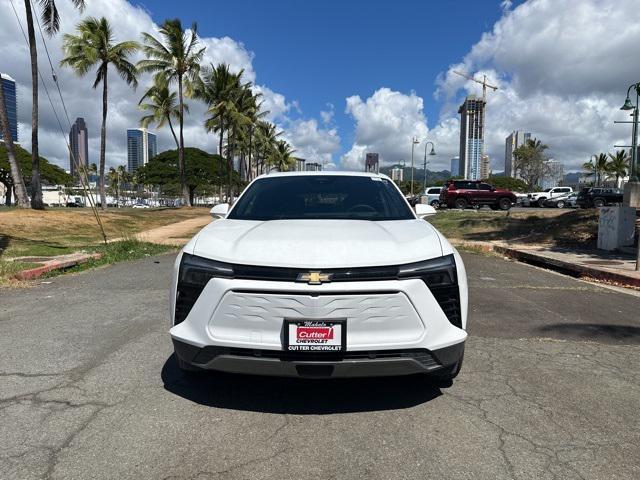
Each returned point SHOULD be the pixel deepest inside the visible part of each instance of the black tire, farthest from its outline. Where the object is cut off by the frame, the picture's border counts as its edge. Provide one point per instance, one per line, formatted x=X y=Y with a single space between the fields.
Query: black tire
x=599 y=202
x=493 y=207
x=541 y=202
x=460 y=203
x=504 y=204
x=435 y=204
x=560 y=204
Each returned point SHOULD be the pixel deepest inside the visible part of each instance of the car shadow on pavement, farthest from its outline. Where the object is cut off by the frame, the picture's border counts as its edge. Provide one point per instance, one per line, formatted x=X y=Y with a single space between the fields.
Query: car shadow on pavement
x=622 y=334
x=297 y=396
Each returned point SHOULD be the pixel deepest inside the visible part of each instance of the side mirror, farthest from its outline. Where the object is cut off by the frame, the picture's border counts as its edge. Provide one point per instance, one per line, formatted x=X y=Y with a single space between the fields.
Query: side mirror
x=220 y=210
x=493 y=189
x=423 y=210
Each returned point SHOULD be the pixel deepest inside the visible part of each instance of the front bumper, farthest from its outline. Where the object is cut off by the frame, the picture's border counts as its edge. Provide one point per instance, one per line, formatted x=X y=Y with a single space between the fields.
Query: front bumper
x=348 y=364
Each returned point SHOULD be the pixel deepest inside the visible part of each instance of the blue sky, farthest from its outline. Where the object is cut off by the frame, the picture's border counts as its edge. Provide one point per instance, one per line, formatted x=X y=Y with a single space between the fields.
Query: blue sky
x=322 y=52
x=386 y=67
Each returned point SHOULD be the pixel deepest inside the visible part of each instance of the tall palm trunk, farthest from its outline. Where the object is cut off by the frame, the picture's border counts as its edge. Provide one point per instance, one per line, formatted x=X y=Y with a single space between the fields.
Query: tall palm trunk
x=173 y=132
x=183 y=177
x=16 y=175
x=103 y=142
x=249 y=170
x=36 y=187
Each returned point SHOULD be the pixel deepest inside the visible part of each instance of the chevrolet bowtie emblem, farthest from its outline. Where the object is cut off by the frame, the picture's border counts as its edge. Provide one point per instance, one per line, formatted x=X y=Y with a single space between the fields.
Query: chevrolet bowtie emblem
x=314 y=278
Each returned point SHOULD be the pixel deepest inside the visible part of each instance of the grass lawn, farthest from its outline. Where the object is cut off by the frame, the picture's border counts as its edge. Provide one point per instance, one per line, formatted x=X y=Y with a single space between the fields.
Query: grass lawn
x=63 y=230
x=566 y=228
x=57 y=231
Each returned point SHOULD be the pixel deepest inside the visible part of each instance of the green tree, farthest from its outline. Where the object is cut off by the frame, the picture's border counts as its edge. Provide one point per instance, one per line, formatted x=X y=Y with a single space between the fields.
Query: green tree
x=266 y=141
x=509 y=183
x=203 y=171
x=282 y=158
x=94 y=45
x=529 y=162
x=618 y=165
x=51 y=23
x=161 y=106
x=176 y=60
x=50 y=173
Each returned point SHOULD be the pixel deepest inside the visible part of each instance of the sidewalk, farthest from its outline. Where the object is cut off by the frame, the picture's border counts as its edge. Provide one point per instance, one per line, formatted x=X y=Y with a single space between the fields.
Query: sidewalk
x=611 y=267
x=176 y=234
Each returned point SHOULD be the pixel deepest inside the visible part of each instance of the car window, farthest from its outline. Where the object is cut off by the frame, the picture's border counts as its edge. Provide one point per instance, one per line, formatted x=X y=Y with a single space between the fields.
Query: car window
x=433 y=190
x=336 y=197
x=485 y=186
x=465 y=185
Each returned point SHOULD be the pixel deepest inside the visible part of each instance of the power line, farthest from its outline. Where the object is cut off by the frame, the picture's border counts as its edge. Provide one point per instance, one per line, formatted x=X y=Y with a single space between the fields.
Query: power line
x=84 y=181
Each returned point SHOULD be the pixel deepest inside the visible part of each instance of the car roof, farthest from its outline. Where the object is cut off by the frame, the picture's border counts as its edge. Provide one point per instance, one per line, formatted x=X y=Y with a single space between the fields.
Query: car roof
x=342 y=173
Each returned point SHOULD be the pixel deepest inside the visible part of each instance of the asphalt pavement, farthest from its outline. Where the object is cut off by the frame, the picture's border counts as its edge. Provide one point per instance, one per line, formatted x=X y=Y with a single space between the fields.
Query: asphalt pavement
x=89 y=388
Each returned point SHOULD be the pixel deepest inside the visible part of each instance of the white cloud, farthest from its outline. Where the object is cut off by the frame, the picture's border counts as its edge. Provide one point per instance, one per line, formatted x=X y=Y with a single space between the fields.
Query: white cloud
x=312 y=143
x=562 y=74
x=327 y=115
x=385 y=123
x=128 y=22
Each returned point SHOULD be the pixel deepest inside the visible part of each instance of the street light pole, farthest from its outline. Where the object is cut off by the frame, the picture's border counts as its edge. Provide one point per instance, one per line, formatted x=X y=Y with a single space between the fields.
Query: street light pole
x=414 y=142
x=433 y=152
x=633 y=177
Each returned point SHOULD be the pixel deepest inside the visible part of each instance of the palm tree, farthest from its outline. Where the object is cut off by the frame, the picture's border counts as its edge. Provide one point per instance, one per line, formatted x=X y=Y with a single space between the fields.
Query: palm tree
x=266 y=140
x=601 y=165
x=175 y=60
x=282 y=156
x=51 y=23
x=16 y=175
x=94 y=45
x=618 y=165
x=161 y=106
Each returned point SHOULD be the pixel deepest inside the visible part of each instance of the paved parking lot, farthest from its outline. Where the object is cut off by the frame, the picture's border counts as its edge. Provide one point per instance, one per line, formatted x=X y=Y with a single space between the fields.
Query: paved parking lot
x=89 y=389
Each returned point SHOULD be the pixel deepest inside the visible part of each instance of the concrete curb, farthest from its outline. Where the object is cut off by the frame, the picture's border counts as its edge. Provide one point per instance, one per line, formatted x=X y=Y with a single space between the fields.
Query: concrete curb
x=567 y=268
x=56 y=263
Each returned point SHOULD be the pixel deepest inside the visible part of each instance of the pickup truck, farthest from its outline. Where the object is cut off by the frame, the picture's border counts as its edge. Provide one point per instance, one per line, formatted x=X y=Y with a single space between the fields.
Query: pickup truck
x=537 y=199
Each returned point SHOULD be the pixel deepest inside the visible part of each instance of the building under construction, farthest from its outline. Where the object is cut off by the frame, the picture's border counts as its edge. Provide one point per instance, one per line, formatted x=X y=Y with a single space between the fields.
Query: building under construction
x=471 y=137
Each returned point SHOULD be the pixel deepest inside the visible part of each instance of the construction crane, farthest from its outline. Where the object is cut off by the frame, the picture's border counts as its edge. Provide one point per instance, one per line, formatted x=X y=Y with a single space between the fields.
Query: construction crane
x=483 y=83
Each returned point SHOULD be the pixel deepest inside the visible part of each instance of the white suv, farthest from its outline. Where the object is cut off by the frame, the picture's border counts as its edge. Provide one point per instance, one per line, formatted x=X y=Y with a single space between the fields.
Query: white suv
x=320 y=274
x=537 y=199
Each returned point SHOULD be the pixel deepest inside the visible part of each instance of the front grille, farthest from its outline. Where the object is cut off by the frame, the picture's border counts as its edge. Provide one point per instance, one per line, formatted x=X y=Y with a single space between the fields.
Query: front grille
x=424 y=357
x=449 y=300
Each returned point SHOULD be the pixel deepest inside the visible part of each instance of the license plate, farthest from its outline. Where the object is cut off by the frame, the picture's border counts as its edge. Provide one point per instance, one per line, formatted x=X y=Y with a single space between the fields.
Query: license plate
x=315 y=335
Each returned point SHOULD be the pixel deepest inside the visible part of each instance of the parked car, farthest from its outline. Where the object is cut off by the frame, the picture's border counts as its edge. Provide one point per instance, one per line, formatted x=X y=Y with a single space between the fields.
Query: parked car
x=599 y=197
x=140 y=205
x=328 y=305
x=537 y=199
x=432 y=195
x=475 y=193
x=563 y=201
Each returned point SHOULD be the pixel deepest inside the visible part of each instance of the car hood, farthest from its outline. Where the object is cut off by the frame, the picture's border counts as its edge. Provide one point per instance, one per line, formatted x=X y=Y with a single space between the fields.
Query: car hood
x=317 y=243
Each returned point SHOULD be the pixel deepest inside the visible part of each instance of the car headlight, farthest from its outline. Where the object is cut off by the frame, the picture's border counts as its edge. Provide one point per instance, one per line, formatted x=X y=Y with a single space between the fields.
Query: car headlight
x=440 y=275
x=194 y=273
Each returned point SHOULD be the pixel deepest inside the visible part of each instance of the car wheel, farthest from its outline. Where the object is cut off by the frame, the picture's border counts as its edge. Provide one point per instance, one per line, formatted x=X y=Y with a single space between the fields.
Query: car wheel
x=493 y=207
x=504 y=204
x=598 y=202
x=541 y=202
x=435 y=204
x=460 y=203
x=560 y=204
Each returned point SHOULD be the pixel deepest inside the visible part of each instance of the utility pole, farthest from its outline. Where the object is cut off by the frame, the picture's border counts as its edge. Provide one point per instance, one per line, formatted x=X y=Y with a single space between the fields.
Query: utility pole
x=414 y=142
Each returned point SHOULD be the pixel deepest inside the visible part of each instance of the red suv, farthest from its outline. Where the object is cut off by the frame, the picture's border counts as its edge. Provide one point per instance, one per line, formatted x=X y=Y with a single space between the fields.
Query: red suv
x=474 y=193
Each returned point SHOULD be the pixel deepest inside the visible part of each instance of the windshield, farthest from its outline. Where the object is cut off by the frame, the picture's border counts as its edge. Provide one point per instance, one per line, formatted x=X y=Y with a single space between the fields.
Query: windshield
x=332 y=197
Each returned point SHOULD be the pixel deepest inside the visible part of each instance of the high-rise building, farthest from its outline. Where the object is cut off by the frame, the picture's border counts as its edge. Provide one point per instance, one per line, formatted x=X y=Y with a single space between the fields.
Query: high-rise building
x=471 y=136
x=397 y=174
x=313 y=167
x=553 y=174
x=141 y=147
x=371 y=163
x=455 y=166
x=485 y=167
x=79 y=146
x=11 y=101
x=516 y=139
